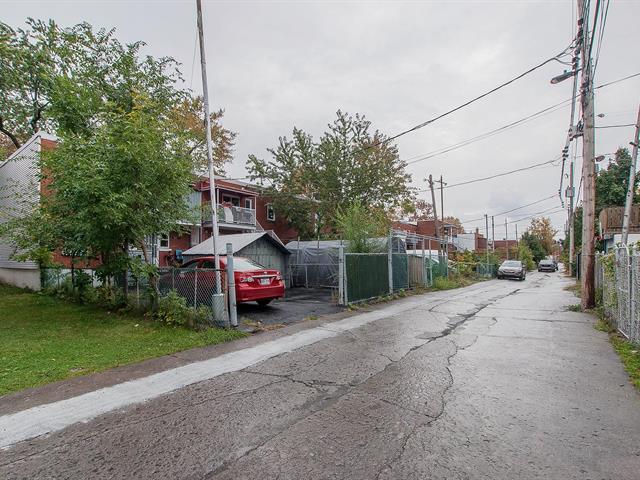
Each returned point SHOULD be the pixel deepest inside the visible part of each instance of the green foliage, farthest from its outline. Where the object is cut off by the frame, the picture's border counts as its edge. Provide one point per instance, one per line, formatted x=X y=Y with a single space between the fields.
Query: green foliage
x=612 y=183
x=542 y=230
x=308 y=180
x=525 y=255
x=172 y=309
x=70 y=339
x=534 y=248
x=360 y=226
x=444 y=283
x=630 y=355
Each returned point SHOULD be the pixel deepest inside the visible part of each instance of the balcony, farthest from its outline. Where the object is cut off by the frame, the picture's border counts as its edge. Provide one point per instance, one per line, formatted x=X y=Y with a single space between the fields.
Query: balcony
x=230 y=216
x=611 y=220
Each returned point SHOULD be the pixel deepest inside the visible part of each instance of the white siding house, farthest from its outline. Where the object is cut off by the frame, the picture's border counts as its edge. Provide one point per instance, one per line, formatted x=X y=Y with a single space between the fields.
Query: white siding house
x=19 y=191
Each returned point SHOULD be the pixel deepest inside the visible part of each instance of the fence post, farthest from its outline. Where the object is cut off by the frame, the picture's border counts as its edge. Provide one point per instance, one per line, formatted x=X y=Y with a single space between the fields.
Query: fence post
x=341 y=282
x=424 y=269
x=195 y=289
x=390 y=262
x=231 y=285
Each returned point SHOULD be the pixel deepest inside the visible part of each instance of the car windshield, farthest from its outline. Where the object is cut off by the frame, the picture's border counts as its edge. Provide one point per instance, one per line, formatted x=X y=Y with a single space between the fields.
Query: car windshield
x=546 y=262
x=511 y=263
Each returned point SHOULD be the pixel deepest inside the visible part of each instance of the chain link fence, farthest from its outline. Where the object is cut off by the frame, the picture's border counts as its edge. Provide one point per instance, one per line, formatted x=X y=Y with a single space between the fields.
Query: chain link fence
x=618 y=277
x=198 y=287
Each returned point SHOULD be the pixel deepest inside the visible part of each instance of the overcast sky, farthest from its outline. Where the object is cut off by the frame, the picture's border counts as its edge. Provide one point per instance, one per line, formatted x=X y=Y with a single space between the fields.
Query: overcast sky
x=274 y=65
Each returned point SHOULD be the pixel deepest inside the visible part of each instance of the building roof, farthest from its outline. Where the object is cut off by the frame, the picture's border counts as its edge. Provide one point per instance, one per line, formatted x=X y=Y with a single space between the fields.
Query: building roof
x=238 y=241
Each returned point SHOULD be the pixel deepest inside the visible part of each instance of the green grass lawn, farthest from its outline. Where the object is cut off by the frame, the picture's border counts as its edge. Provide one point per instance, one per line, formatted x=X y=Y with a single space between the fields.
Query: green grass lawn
x=43 y=339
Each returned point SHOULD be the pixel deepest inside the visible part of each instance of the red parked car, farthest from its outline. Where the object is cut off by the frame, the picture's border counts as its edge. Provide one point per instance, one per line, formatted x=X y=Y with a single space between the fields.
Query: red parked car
x=254 y=282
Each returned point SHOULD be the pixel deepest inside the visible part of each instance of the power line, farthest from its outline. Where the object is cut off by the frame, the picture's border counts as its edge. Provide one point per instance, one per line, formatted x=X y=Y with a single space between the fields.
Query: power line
x=512 y=210
x=544 y=111
x=463 y=143
x=617 y=126
x=482 y=179
x=473 y=100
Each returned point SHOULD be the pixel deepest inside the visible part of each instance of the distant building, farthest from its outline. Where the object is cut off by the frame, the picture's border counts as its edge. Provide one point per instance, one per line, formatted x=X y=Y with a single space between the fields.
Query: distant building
x=611 y=219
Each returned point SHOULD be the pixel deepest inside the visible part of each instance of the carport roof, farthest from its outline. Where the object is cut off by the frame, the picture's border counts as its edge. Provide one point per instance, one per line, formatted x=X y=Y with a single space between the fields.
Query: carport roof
x=238 y=242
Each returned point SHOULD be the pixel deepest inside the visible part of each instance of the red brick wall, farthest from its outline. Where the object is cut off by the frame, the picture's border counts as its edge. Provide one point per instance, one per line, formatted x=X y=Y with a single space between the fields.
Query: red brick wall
x=281 y=227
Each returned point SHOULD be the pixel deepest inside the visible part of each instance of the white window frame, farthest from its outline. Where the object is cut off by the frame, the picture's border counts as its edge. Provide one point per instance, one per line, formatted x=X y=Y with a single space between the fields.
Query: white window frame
x=248 y=203
x=270 y=217
x=161 y=240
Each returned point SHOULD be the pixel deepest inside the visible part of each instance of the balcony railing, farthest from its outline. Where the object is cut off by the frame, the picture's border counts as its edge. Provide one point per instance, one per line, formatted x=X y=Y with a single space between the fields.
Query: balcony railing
x=611 y=219
x=230 y=215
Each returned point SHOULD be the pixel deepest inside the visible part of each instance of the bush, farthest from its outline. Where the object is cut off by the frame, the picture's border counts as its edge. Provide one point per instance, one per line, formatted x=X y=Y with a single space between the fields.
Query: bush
x=172 y=309
x=526 y=256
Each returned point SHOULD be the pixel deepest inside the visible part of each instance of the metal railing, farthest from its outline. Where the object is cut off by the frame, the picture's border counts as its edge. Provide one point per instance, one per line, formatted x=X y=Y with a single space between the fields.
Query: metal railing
x=230 y=215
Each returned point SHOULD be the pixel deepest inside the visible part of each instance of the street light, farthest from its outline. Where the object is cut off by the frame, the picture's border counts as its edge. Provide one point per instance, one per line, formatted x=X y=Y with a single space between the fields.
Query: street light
x=562 y=77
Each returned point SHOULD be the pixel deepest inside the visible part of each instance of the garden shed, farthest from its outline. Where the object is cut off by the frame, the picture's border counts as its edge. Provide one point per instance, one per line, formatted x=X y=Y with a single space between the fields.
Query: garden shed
x=262 y=247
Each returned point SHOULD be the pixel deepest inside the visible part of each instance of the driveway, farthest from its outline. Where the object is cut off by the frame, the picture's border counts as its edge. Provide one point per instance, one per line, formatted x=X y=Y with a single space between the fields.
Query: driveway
x=494 y=381
x=299 y=304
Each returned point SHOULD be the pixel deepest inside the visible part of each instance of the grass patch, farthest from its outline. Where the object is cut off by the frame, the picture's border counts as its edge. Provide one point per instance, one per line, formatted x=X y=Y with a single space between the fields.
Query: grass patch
x=44 y=339
x=574 y=308
x=444 y=283
x=629 y=354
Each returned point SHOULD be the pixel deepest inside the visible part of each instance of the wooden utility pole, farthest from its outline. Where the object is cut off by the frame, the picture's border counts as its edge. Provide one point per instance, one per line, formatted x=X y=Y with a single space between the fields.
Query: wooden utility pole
x=588 y=166
x=435 y=212
x=632 y=180
x=517 y=242
x=486 y=245
x=493 y=235
x=506 y=237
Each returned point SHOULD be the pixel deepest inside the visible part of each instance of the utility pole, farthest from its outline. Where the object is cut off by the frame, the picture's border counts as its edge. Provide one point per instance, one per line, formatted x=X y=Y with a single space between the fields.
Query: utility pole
x=632 y=180
x=435 y=211
x=517 y=243
x=212 y=181
x=588 y=165
x=442 y=184
x=493 y=235
x=506 y=237
x=486 y=224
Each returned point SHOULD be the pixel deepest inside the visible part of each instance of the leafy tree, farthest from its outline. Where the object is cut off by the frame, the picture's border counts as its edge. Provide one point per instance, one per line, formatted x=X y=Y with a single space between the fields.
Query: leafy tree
x=188 y=119
x=418 y=210
x=130 y=142
x=309 y=179
x=534 y=244
x=360 y=226
x=526 y=256
x=543 y=230
x=455 y=221
x=612 y=183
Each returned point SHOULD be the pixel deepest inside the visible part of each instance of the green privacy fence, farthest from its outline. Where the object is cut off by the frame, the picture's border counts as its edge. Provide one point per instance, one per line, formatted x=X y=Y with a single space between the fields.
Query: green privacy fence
x=366 y=276
x=400 y=268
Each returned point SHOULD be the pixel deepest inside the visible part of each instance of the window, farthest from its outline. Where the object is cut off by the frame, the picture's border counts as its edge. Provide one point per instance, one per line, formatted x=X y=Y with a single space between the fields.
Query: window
x=247 y=203
x=271 y=213
x=163 y=241
x=235 y=201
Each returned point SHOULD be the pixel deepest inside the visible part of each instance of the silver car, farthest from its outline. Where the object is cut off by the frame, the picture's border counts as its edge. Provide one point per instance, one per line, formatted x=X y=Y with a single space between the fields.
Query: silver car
x=512 y=269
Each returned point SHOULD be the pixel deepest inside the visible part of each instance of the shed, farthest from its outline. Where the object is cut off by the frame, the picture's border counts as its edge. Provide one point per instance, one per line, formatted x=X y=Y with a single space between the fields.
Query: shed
x=262 y=247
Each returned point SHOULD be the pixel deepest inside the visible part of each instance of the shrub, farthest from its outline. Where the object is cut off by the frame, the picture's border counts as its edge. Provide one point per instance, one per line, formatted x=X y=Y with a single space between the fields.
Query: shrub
x=172 y=309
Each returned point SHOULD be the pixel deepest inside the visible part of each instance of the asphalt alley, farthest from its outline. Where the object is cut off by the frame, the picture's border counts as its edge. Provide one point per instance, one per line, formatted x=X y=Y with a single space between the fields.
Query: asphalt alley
x=496 y=380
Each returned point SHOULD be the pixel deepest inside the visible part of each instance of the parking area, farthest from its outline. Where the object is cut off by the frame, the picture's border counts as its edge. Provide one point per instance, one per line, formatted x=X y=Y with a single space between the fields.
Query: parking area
x=299 y=304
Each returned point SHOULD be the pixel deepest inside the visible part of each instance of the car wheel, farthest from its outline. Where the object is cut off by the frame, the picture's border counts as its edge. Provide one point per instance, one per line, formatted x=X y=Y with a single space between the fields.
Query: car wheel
x=264 y=302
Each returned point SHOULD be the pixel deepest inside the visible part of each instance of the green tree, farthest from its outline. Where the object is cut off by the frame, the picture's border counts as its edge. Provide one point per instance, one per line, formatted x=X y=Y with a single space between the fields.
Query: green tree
x=360 y=226
x=309 y=179
x=129 y=144
x=543 y=230
x=612 y=183
x=534 y=244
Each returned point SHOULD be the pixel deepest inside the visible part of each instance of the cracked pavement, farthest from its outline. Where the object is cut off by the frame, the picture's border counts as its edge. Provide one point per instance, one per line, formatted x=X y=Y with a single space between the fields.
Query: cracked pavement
x=493 y=381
